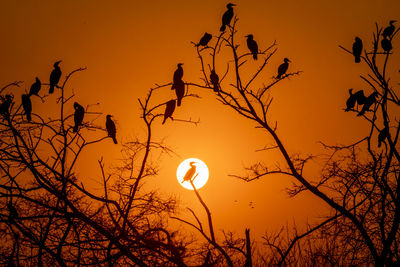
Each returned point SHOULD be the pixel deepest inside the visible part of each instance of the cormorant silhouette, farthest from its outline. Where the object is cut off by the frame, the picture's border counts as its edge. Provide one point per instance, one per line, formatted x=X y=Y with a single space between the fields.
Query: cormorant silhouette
x=27 y=105
x=169 y=110
x=283 y=68
x=55 y=76
x=180 y=91
x=382 y=136
x=5 y=105
x=205 y=39
x=227 y=17
x=35 y=87
x=252 y=45
x=357 y=49
x=214 y=81
x=386 y=44
x=78 y=116
x=368 y=102
x=190 y=173
x=13 y=211
x=111 y=130
x=178 y=74
x=389 y=30
x=353 y=98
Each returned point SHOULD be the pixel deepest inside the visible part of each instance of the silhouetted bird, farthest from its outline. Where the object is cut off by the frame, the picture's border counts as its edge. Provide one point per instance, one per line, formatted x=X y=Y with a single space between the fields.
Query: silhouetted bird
x=178 y=74
x=382 y=136
x=357 y=49
x=27 y=105
x=214 y=81
x=283 y=68
x=5 y=105
x=35 y=87
x=252 y=45
x=169 y=110
x=111 y=130
x=368 y=102
x=353 y=98
x=190 y=173
x=389 y=30
x=180 y=91
x=227 y=17
x=12 y=210
x=78 y=116
x=386 y=44
x=55 y=77
x=205 y=39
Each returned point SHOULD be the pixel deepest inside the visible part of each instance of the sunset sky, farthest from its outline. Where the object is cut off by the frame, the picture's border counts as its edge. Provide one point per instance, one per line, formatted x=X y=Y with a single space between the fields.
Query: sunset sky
x=129 y=46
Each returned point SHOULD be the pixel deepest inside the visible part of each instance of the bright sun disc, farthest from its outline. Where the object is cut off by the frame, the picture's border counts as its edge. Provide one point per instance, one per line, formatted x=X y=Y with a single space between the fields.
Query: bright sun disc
x=199 y=172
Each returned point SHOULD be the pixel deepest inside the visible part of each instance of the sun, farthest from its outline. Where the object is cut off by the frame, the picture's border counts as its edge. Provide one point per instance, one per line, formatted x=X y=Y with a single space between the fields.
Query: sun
x=192 y=169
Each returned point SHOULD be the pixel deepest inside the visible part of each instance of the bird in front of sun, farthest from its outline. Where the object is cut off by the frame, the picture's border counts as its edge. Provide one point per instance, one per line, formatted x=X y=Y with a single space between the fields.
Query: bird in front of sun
x=189 y=176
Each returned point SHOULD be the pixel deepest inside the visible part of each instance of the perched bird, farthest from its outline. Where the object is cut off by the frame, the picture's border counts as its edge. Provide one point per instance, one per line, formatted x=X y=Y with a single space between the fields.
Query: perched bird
x=78 y=116
x=252 y=45
x=111 y=130
x=357 y=49
x=382 y=136
x=353 y=98
x=27 y=105
x=5 y=105
x=389 y=30
x=180 y=91
x=214 y=81
x=205 y=39
x=178 y=74
x=386 y=44
x=190 y=173
x=13 y=211
x=283 y=68
x=227 y=17
x=35 y=87
x=169 y=110
x=55 y=77
x=368 y=102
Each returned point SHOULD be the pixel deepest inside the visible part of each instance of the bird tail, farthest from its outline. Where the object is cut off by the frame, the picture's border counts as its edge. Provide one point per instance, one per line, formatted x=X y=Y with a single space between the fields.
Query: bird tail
x=379 y=143
x=165 y=118
x=28 y=117
x=278 y=77
x=357 y=59
x=347 y=109
x=115 y=140
x=222 y=28
x=216 y=88
x=173 y=86
x=75 y=128
x=51 y=90
x=179 y=102
x=255 y=56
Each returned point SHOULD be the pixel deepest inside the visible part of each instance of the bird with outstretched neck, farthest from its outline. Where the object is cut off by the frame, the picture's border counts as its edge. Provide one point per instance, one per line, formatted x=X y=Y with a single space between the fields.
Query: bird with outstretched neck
x=55 y=76
x=389 y=30
x=78 y=116
x=227 y=17
x=111 y=130
x=252 y=45
x=357 y=49
x=169 y=110
x=190 y=173
x=283 y=68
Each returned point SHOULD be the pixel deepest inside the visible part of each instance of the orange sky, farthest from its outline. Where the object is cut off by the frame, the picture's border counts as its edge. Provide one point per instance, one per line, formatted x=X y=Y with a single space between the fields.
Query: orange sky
x=128 y=46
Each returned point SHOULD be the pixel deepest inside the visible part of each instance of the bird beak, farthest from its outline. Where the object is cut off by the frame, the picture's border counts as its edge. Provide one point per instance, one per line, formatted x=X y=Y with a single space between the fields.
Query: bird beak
x=59 y=61
x=289 y=60
x=233 y=5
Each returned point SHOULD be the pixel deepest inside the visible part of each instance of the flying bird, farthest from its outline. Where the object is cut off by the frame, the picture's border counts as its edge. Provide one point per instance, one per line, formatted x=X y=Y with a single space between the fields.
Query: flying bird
x=368 y=102
x=227 y=17
x=35 y=87
x=386 y=44
x=357 y=49
x=252 y=45
x=178 y=74
x=283 y=68
x=78 y=116
x=214 y=81
x=27 y=105
x=169 y=110
x=389 y=30
x=205 y=39
x=55 y=77
x=180 y=91
x=382 y=136
x=190 y=173
x=353 y=98
x=5 y=105
x=111 y=130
